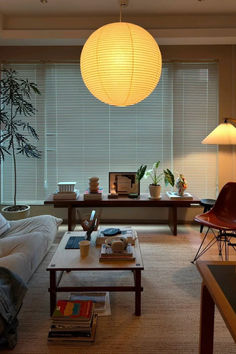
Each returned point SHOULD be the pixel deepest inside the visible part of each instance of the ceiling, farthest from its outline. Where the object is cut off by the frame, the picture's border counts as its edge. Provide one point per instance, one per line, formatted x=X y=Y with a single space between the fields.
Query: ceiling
x=111 y=7
x=70 y=22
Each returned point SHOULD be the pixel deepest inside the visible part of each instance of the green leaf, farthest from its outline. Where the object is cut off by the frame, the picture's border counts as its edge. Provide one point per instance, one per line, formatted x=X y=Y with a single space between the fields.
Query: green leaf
x=169 y=177
x=141 y=171
x=156 y=165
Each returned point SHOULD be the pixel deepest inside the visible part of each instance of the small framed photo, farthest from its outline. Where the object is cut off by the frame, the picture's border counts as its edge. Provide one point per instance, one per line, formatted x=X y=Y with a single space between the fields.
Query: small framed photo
x=123 y=183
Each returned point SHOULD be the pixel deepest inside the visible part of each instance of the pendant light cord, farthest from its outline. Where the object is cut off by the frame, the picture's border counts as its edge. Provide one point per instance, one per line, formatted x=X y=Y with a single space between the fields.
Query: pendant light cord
x=123 y=3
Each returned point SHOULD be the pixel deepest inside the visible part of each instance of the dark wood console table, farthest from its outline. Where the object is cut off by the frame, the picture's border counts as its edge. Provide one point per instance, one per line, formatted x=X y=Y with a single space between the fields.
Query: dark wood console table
x=143 y=201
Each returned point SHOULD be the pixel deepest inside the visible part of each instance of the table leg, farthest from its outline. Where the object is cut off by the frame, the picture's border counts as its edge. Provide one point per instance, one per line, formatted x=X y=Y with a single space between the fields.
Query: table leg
x=71 y=218
x=172 y=220
x=206 y=322
x=52 y=290
x=138 y=289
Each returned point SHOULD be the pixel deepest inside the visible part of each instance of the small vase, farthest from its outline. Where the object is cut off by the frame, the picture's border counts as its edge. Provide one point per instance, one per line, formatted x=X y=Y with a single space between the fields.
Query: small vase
x=181 y=191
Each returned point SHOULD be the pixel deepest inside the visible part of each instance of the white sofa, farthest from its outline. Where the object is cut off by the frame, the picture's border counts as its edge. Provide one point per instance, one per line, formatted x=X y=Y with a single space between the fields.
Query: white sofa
x=26 y=242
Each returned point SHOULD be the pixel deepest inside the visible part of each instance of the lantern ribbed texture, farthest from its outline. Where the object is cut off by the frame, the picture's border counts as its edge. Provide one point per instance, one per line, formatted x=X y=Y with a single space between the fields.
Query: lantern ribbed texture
x=121 y=64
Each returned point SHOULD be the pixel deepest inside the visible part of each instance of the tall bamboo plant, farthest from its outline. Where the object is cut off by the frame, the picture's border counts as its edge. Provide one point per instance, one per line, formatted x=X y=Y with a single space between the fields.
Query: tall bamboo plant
x=17 y=134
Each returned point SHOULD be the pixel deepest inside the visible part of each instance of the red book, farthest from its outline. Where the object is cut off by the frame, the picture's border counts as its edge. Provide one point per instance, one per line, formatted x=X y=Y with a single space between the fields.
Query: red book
x=73 y=310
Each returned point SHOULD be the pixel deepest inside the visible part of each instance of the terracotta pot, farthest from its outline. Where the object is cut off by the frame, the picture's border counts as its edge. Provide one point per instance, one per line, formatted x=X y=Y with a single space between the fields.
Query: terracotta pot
x=16 y=214
x=155 y=191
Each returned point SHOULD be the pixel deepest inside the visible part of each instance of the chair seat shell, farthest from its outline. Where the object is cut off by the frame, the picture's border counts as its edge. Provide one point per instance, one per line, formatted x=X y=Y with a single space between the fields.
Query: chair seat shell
x=210 y=219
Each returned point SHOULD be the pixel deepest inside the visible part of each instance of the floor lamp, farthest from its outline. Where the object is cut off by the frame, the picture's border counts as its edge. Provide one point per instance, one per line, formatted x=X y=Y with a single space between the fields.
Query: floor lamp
x=223 y=134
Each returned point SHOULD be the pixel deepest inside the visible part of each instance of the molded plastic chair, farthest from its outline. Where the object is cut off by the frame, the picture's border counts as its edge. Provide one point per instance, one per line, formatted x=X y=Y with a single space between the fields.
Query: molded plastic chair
x=222 y=217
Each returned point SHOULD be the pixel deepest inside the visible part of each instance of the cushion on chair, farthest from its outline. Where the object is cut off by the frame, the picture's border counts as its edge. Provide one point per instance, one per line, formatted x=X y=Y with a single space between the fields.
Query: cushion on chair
x=4 y=224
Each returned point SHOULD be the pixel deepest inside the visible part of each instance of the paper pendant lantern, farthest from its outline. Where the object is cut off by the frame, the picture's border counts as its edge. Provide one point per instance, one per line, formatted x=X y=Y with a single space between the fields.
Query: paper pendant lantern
x=121 y=64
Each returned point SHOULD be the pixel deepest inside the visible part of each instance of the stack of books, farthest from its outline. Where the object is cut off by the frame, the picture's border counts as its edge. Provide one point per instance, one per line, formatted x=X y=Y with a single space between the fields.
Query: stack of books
x=73 y=320
x=93 y=196
x=108 y=255
x=66 y=195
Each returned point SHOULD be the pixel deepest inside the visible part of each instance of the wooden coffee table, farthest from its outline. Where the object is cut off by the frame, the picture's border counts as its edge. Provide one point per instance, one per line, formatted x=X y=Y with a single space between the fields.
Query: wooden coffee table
x=69 y=260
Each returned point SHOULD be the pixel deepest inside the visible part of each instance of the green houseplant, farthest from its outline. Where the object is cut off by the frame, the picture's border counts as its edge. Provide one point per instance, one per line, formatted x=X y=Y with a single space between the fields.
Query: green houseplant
x=139 y=175
x=156 y=177
x=16 y=134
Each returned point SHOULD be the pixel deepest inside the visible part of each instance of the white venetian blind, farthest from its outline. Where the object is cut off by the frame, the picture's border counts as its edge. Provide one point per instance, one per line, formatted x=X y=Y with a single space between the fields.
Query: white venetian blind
x=87 y=138
x=195 y=112
x=81 y=137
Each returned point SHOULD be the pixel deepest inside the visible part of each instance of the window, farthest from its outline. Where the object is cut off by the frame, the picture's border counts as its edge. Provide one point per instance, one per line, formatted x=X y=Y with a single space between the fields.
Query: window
x=81 y=137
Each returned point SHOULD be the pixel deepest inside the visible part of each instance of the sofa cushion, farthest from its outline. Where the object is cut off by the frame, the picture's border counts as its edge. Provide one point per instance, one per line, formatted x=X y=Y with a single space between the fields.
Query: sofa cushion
x=23 y=253
x=44 y=223
x=4 y=224
x=25 y=244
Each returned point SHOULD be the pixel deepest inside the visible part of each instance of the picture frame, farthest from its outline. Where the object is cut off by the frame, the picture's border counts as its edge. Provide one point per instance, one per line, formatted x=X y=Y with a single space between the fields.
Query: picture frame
x=123 y=183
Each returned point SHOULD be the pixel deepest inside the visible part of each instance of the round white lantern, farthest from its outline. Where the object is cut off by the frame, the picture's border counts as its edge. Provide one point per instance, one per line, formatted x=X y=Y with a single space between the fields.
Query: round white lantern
x=121 y=64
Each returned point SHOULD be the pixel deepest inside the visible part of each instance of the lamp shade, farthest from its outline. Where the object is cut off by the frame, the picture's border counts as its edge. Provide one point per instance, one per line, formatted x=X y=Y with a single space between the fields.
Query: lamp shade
x=121 y=64
x=223 y=134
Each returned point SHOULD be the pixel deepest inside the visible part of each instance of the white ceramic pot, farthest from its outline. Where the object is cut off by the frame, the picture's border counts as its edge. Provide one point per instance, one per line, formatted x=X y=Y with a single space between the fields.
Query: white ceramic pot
x=16 y=214
x=155 y=191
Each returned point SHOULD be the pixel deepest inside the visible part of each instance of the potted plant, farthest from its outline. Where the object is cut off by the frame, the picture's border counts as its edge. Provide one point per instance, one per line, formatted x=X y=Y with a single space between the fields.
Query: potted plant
x=154 y=187
x=16 y=134
x=139 y=175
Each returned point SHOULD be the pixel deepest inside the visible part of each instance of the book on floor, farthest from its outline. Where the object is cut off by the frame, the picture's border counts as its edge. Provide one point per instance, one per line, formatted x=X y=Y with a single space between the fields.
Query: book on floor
x=74 y=335
x=101 y=301
x=66 y=310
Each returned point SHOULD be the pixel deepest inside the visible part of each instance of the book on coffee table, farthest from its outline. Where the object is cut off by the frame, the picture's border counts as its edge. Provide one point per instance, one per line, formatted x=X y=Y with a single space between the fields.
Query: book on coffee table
x=107 y=254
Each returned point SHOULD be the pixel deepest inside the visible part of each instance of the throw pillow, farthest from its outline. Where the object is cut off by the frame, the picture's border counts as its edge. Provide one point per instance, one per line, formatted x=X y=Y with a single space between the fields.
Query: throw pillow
x=4 y=224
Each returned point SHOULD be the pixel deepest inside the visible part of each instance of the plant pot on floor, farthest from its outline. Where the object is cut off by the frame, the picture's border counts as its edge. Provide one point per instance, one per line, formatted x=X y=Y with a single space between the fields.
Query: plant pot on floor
x=155 y=191
x=16 y=212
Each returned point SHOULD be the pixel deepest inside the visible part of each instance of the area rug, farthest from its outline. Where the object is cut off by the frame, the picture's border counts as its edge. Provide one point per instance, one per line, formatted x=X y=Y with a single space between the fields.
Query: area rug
x=170 y=303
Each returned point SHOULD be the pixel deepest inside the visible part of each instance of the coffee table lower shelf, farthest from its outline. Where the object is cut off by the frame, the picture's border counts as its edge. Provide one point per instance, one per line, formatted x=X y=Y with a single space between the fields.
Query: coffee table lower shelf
x=55 y=288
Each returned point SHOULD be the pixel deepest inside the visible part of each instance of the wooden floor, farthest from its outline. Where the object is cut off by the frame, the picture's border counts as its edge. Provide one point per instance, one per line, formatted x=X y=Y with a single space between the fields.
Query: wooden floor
x=170 y=303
